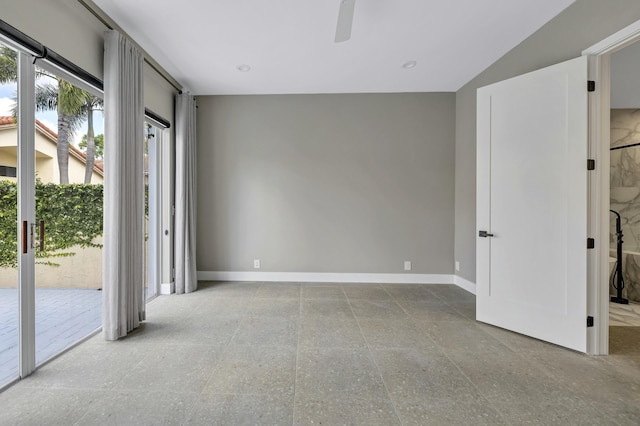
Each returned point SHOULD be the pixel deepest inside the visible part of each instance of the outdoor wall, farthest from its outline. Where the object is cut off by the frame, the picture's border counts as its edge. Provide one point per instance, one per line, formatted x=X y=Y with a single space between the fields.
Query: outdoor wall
x=7 y=158
x=83 y=270
x=578 y=27
x=326 y=183
x=46 y=158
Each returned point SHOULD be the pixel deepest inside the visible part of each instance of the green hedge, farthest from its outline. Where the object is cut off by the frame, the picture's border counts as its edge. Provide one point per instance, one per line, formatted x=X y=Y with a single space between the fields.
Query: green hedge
x=72 y=214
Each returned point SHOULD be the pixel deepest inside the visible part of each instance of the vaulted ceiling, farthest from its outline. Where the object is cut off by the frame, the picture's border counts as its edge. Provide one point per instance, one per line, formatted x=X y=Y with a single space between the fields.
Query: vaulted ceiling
x=287 y=46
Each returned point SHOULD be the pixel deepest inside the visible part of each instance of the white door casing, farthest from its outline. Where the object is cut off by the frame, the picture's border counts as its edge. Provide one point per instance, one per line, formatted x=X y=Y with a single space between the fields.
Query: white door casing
x=532 y=195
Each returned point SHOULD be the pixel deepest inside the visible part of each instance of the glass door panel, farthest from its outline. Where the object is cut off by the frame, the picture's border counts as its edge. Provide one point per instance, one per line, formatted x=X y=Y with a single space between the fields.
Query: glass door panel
x=152 y=210
x=9 y=332
x=69 y=204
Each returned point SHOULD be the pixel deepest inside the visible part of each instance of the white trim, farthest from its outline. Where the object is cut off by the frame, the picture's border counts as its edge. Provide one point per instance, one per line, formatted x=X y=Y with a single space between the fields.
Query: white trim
x=70 y=77
x=617 y=41
x=599 y=133
x=154 y=241
x=26 y=213
x=328 y=277
x=168 y=288
x=464 y=284
x=599 y=143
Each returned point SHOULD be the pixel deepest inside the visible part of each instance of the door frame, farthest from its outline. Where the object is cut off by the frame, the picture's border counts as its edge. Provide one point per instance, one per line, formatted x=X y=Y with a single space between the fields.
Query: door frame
x=599 y=146
x=26 y=213
x=155 y=213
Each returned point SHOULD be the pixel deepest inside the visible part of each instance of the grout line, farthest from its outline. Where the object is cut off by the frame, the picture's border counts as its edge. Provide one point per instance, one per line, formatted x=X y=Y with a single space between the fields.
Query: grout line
x=488 y=401
x=443 y=352
x=223 y=352
x=295 y=372
x=143 y=347
x=373 y=359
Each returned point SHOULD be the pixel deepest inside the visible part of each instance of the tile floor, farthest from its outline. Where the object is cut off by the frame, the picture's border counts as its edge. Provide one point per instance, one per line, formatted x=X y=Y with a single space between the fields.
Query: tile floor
x=63 y=317
x=283 y=354
x=624 y=315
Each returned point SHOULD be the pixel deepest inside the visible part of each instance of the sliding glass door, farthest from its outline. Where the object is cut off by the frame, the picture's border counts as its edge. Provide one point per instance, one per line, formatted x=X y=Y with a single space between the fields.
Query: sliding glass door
x=51 y=212
x=69 y=172
x=153 y=202
x=9 y=340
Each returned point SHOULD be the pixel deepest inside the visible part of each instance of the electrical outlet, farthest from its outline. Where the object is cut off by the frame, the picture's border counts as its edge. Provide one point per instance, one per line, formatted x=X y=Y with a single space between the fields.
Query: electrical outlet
x=256 y=263
x=407 y=265
x=457 y=266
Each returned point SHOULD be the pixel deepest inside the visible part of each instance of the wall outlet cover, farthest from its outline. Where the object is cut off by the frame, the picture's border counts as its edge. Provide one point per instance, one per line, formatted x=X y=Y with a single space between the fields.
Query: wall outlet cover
x=407 y=265
x=457 y=266
x=256 y=264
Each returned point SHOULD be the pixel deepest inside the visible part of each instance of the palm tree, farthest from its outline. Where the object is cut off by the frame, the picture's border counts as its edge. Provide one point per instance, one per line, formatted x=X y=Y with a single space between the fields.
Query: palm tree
x=99 y=145
x=8 y=65
x=66 y=100
x=71 y=103
x=91 y=103
x=73 y=106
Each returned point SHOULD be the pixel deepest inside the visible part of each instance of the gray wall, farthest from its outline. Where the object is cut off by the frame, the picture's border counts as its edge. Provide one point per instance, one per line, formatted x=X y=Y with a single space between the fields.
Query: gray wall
x=578 y=27
x=625 y=78
x=326 y=183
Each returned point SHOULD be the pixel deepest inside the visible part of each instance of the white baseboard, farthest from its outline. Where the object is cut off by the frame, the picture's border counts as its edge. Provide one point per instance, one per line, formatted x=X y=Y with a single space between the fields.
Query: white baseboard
x=464 y=284
x=168 y=288
x=329 y=277
x=325 y=277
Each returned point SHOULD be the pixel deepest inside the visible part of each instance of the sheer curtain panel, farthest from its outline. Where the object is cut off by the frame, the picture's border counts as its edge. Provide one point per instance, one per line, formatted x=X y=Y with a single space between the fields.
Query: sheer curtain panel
x=123 y=256
x=185 y=225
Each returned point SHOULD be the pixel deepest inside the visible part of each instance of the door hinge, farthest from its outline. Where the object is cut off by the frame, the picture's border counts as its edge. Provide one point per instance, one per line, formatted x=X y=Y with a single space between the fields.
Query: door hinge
x=591 y=164
x=591 y=86
x=173 y=210
x=589 y=321
x=591 y=243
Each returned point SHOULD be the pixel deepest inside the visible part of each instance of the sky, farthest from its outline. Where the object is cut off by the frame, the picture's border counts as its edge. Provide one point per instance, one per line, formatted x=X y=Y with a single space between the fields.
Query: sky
x=48 y=118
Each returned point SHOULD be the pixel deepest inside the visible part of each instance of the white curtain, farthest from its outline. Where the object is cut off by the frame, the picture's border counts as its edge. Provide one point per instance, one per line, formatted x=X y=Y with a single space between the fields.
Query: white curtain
x=123 y=256
x=185 y=225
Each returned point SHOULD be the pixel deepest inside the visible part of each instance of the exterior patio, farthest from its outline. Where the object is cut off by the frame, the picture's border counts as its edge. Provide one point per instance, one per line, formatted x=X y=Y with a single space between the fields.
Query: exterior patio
x=63 y=316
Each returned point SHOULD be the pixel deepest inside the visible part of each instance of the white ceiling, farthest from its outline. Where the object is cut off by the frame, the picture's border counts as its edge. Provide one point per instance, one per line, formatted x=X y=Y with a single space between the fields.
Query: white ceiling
x=289 y=43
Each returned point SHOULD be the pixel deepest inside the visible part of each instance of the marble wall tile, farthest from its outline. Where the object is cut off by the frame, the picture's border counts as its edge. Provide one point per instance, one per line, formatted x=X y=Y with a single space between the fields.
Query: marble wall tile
x=625 y=194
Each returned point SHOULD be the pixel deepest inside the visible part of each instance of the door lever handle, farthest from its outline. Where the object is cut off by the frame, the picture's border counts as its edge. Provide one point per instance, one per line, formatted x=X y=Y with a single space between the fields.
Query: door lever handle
x=42 y=235
x=484 y=234
x=25 y=237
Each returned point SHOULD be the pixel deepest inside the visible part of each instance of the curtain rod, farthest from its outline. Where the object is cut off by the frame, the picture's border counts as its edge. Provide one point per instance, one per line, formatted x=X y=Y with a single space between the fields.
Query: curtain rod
x=40 y=51
x=625 y=146
x=157 y=118
x=107 y=24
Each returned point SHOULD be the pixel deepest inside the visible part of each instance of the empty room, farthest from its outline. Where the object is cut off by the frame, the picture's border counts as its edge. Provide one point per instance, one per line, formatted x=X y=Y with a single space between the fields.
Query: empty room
x=344 y=212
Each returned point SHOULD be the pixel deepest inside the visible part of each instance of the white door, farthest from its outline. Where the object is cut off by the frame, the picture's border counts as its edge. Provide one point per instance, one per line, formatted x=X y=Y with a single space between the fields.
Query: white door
x=532 y=196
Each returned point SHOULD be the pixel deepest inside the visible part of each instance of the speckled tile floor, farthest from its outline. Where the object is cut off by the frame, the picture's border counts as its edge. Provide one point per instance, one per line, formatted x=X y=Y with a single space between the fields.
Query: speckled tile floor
x=624 y=315
x=302 y=354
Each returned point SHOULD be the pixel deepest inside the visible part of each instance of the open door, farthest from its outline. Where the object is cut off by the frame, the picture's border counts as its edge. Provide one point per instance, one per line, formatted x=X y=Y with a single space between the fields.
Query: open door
x=532 y=204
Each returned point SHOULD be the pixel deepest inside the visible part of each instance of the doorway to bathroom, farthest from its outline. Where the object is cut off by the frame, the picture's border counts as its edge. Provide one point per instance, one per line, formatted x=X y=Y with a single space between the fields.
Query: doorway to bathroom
x=581 y=276
x=613 y=64
x=624 y=202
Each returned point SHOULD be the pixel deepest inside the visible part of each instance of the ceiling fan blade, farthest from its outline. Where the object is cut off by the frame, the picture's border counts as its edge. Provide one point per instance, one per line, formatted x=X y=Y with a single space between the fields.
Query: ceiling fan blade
x=345 y=20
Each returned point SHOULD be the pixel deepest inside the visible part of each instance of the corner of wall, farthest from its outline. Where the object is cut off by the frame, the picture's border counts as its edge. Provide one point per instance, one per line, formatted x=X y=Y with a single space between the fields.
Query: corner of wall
x=464 y=284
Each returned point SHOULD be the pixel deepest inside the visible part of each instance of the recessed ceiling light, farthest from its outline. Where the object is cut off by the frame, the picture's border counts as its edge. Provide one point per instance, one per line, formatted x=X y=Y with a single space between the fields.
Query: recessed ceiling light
x=408 y=65
x=244 y=68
